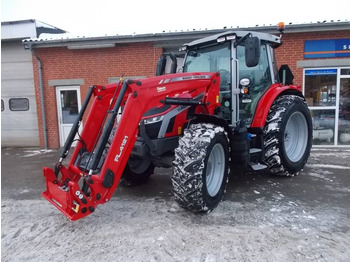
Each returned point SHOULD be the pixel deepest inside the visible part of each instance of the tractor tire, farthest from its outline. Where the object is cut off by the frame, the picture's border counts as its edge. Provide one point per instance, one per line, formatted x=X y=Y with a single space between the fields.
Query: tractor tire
x=201 y=167
x=137 y=170
x=287 y=136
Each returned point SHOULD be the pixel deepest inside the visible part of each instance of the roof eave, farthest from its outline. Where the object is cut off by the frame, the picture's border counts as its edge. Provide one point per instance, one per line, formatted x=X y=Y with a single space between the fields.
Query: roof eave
x=182 y=36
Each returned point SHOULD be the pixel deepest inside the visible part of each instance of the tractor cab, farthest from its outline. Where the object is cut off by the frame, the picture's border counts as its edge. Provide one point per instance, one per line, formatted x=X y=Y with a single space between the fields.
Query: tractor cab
x=246 y=63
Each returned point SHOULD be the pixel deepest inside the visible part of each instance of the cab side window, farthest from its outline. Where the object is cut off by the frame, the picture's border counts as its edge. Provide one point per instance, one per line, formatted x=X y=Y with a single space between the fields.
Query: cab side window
x=260 y=80
x=260 y=75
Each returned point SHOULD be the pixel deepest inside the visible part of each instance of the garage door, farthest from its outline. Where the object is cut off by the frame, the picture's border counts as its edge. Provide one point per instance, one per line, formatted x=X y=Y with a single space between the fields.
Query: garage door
x=19 y=124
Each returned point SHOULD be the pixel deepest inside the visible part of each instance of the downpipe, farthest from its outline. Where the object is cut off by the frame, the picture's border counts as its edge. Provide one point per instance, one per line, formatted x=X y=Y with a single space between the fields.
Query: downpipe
x=43 y=113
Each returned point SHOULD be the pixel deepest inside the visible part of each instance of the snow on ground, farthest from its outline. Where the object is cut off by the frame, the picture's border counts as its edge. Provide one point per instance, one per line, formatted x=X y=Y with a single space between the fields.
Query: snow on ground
x=156 y=229
x=328 y=166
x=30 y=153
x=263 y=218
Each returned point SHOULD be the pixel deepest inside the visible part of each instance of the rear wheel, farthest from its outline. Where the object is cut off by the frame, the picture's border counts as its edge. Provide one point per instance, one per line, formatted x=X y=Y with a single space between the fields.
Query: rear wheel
x=287 y=136
x=138 y=170
x=200 y=172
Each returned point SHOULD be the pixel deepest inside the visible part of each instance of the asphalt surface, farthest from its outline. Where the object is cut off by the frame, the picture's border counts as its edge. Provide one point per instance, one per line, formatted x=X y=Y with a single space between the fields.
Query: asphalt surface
x=324 y=181
x=313 y=208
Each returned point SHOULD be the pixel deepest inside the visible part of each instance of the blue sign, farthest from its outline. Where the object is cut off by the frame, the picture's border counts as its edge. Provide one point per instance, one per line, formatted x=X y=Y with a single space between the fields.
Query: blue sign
x=330 y=48
x=318 y=72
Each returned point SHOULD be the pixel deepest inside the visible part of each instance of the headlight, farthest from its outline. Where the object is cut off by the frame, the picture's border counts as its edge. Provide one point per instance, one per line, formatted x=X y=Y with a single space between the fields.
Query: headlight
x=152 y=120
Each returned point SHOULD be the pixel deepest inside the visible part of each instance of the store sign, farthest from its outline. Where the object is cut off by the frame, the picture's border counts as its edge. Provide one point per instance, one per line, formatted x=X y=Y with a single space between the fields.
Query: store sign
x=318 y=72
x=330 y=48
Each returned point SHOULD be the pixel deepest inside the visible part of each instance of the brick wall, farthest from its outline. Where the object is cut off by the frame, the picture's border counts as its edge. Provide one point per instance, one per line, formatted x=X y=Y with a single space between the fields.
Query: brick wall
x=292 y=49
x=95 y=66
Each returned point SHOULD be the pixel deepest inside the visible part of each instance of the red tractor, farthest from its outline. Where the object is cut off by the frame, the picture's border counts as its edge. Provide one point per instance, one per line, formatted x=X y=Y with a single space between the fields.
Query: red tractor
x=229 y=109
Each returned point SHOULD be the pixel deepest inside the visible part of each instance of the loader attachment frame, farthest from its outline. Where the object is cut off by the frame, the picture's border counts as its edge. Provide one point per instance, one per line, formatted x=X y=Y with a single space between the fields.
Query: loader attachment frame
x=96 y=164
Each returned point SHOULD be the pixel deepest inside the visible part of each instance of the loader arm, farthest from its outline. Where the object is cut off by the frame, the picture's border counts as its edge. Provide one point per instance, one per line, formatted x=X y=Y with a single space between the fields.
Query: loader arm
x=96 y=165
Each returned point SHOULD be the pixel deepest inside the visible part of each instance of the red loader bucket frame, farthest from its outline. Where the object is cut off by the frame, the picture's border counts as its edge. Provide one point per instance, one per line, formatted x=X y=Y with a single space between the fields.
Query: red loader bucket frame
x=97 y=164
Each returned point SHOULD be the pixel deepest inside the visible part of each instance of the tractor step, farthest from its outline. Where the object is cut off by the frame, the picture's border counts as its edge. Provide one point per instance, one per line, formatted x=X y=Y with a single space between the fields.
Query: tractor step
x=255 y=155
x=254 y=150
x=257 y=166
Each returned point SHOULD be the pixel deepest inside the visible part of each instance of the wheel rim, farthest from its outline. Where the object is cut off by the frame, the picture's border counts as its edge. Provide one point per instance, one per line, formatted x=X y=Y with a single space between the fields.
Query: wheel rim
x=215 y=169
x=296 y=136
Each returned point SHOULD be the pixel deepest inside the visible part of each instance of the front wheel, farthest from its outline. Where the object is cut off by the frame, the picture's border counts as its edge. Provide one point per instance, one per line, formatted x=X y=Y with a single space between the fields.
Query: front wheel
x=201 y=167
x=287 y=136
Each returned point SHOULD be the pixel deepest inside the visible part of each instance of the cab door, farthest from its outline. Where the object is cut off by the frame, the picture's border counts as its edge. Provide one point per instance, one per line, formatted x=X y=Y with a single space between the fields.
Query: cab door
x=260 y=78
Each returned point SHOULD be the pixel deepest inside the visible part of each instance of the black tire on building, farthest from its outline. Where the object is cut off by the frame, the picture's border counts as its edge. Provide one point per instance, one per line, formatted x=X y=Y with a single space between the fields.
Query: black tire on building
x=287 y=136
x=201 y=167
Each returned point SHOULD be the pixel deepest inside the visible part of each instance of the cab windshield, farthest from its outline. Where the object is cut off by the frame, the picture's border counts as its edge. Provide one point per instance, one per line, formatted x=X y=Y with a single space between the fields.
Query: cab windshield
x=211 y=59
x=208 y=59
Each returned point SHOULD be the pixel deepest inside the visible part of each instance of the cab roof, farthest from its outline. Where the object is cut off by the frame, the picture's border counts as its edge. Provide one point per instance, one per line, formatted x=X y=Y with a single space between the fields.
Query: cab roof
x=273 y=39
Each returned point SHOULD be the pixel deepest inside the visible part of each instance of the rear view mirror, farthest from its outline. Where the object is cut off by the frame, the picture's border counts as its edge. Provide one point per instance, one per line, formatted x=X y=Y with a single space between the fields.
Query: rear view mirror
x=161 y=65
x=173 y=66
x=162 y=62
x=252 y=51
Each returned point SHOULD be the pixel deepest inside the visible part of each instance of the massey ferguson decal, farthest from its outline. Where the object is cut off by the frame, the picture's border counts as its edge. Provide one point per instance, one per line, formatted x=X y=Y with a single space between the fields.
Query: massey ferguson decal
x=161 y=89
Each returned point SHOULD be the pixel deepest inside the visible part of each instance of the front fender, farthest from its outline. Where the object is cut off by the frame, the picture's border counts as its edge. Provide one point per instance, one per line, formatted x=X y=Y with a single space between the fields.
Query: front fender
x=267 y=100
x=211 y=119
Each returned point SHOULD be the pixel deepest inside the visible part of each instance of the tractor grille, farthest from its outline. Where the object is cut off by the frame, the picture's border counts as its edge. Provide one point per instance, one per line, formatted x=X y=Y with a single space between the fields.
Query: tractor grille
x=152 y=130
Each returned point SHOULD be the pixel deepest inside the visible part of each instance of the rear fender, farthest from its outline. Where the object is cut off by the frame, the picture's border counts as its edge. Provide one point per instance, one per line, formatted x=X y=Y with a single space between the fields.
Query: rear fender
x=267 y=100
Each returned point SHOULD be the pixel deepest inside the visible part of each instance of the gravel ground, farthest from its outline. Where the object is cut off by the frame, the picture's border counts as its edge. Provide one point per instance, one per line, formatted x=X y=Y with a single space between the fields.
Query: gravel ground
x=263 y=218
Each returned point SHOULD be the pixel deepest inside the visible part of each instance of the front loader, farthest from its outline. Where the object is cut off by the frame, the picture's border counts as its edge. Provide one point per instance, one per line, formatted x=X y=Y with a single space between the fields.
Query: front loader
x=229 y=109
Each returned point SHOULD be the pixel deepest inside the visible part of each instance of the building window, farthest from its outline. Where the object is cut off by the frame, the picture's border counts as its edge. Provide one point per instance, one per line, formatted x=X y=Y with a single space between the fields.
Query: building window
x=19 y=104
x=345 y=71
x=2 y=105
x=327 y=93
x=324 y=126
x=344 y=111
x=320 y=87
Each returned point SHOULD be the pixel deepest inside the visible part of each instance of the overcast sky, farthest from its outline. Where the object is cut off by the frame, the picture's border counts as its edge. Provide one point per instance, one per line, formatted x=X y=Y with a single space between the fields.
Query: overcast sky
x=111 y=17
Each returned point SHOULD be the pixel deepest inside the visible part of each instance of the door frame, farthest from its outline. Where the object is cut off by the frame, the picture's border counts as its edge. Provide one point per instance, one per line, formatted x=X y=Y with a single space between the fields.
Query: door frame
x=59 y=109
